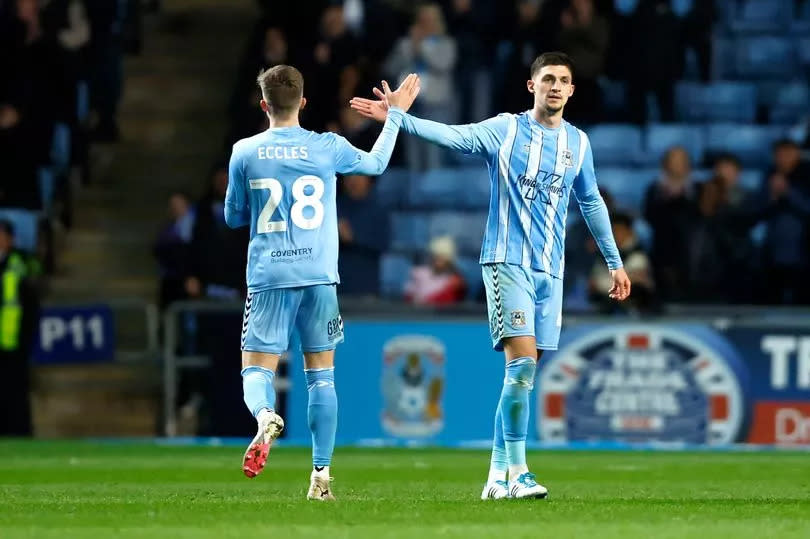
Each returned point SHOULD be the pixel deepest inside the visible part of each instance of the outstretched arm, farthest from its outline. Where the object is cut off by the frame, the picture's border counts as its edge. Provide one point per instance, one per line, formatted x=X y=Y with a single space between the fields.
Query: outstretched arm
x=481 y=138
x=237 y=209
x=350 y=160
x=596 y=216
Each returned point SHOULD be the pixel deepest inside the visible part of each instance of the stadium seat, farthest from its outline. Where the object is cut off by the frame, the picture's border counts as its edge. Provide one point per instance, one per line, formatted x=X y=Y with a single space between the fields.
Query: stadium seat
x=614 y=97
x=626 y=185
x=681 y=8
x=60 y=148
x=615 y=145
x=447 y=188
x=409 y=231
x=47 y=186
x=661 y=137
x=466 y=228
x=471 y=270
x=804 y=53
x=394 y=272
x=789 y=103
x=476 y=192
x=719 y=101
x=751 y=144
x=644 y=233
x=760 y=15
x=724 y=65
x=625 y=7
x=765 y=57
x=391 y=188
x=26 y=226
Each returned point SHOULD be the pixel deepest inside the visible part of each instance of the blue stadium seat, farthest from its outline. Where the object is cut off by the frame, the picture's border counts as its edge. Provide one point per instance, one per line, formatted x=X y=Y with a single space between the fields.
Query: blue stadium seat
x=719 y=102
x=643 y=232
x=82 y=101
x=466 y=228
x=626 y=185
x=804 y=52
x=60 y=148
x=394 y=272
x=391 y=188
x=724 y=65
x=26 y=226
x=661 y=137
x=765 y=57
x=789 y=103
x=681 y=8
x=750 y=143
x=614 y=95
x=615 y=144
x=47 y=186
x=761 y=15
x=451 y=188
x=476 y=192
x=409 y=231
x=625 y=7
x=471 y=270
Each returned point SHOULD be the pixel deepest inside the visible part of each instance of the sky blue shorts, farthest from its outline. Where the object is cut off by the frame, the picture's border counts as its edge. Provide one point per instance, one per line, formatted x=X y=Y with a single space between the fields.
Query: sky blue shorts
x=272 y=315
x=523 y=301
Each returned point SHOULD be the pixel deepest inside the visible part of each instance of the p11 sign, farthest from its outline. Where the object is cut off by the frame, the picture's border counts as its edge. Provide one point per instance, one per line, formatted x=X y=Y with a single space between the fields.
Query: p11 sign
x=75 y=335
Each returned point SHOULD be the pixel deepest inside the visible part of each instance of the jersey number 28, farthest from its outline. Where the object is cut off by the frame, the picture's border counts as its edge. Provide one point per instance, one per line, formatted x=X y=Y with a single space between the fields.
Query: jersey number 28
x=302 y=200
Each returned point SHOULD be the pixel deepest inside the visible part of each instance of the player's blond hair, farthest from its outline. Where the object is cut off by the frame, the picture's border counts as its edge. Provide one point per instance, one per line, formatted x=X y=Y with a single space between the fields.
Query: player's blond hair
x=282 y=87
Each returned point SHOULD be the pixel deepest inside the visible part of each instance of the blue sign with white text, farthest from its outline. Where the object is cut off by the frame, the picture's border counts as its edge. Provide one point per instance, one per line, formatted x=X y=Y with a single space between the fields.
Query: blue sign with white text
x=75 y=335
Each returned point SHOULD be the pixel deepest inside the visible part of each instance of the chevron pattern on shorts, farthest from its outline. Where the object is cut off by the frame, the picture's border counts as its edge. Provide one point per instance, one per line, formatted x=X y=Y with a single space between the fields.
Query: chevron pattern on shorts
x=246 y=318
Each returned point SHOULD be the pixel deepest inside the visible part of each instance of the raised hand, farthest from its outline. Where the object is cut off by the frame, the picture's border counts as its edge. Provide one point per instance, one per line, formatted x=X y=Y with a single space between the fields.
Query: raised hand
x=403 y=98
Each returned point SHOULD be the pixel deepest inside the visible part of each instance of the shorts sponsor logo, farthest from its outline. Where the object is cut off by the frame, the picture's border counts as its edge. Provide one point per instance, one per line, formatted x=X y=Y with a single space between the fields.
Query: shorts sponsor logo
x=334 y=328
x=637 y=384
x=518 y=319
x=413 y=386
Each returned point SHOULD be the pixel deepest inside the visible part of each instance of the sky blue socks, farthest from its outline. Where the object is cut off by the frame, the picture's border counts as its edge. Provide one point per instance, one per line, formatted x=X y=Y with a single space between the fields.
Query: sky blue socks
x=322 y=414
x=257 y=389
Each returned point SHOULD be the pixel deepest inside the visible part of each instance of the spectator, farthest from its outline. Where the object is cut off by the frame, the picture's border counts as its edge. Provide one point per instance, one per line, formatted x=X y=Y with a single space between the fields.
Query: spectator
x=786 y=212
x=726 y=171
x=363 y=232
x=470 y=23
x=656 y=59
x=637 y=265
x=584 y=36
x=431 y=53
x=217 y=252
x=713 y=258
x=669 y=210
x=19 y=312
x=440 y=282
x=172 y=249
x=330 y=71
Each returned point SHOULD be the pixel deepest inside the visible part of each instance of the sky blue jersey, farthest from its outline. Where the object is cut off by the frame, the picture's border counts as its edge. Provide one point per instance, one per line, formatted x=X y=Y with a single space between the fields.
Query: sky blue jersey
x=533 y=170
x=282 y=183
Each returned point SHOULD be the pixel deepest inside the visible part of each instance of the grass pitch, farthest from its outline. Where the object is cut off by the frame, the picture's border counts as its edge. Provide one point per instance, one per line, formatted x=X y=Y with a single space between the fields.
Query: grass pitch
x=75 y=489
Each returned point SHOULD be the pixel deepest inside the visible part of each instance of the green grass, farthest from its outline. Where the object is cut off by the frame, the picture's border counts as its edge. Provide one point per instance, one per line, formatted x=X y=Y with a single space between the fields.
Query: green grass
x=67 y=489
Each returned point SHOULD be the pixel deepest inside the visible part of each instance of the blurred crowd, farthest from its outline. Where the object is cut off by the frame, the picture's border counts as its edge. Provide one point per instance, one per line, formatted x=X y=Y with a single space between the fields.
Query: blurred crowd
x=694 y=239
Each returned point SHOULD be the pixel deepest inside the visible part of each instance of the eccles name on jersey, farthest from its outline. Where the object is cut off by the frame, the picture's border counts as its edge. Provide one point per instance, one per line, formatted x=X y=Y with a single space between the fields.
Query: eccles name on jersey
x=283 y=152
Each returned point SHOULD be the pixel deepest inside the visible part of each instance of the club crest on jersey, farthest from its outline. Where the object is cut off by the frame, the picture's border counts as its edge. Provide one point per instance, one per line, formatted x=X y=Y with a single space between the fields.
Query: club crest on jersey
x=518 y=319
x=568 y=158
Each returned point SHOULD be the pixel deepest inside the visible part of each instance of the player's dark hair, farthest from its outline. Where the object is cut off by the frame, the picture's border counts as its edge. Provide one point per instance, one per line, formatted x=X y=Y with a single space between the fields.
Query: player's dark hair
x=552 y=59
x=282 y=87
